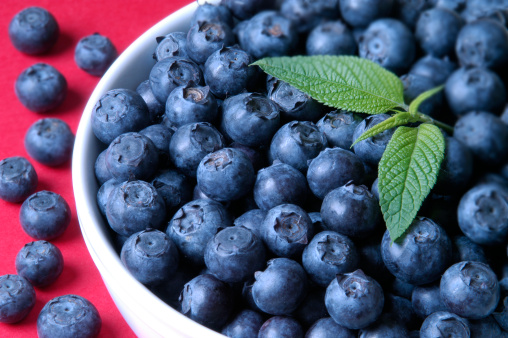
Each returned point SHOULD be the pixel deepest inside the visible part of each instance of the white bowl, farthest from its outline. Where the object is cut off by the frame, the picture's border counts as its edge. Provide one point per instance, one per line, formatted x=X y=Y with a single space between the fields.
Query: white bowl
x=146 y=314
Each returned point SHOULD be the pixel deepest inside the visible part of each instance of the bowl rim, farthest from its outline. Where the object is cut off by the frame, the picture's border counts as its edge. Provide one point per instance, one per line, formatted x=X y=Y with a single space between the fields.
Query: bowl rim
x=91 y=222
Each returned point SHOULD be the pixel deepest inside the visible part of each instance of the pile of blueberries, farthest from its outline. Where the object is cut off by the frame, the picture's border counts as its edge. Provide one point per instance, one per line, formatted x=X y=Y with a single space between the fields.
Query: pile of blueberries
x=45 y=215
x=239 y=201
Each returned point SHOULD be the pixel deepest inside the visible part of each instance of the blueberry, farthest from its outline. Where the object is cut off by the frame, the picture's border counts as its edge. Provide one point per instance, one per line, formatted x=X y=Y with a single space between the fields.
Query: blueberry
x=443 y=323
x=400 y=288
x=492 y=10
x=371 y=150
x=454 y=5
x=328 y=254
x=351 y=210
x=234 y=254
x=255 y=155
x=172 y=44
x=212 y=13
x=69 y=316
x=426 y=300
x=18 y=179
x=374 y=189
x=174 y=187
x=466 y=250
x=244 y=9
x=333 y=168
x=172 y=72
x=360 y=13
x=150 y=256
x=134 y=206
x=312 y=308
x=160 y=136
x=338 y=127
x=278 y=184
x=268 y=33
x=399 y=311
x=104 y=192
x=194 y=224
x=389 y=43
x=207 y=300
x=245 y=324
x=408 y=11
x=101 y=171
x=485 y=327
x=370 y=259
x=40 y=262
x=293 y=103
x=17 y=298
x=306 y=14
x=438 y=70
x=501 y=314
x=190 y=104
x=287 y=229
x=132 y=155
x=281 y=287
x=44 y=215
x=191 y=143
x=414 y=85
x=94 y=54
x=331 y=38
x=437 y=30
x=483 y=43
x=33 y=30
x=456 y=168
x=470 y=289
x=483 y=214
x=251 y=220
x=49 y=141
x=297 y=142
x=473 y=88
x=328 y=328
x=386 y=326
x=421 y=256
x=354 y=300
x=250 y=119
x=169 y=291
x=155 y=108
x=281 y=327
x=41 y=88
x=204 y=38
x=119 y=111
x=485 y=135
x=225 y=175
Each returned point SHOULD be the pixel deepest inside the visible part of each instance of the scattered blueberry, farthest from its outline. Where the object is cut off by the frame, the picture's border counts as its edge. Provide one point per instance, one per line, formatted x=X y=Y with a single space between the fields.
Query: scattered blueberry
x=338 y=127
x=40 y=262
x=44 y=215
x=281 y=327
x=69 y=316
x=18 y=179
x=33 y=30
x=41 y=88
x=359 y=13
x=49 y=141
x=172 y=44
x=17 y=298
x=245 y=324
x=94 y=54
x=443 y=322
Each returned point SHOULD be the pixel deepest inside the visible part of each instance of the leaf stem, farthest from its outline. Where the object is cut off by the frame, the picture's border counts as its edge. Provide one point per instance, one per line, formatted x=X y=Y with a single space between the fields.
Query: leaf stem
x=428 y=119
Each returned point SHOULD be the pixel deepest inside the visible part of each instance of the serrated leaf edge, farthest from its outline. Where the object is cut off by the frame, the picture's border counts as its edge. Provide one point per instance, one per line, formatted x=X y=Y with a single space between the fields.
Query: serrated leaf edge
x=431 y=180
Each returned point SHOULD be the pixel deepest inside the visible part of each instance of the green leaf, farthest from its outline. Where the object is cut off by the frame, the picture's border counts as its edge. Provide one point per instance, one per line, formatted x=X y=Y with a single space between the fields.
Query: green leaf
x=344 y=82
x=396 y=120
x=413 y=107
x=407 y=172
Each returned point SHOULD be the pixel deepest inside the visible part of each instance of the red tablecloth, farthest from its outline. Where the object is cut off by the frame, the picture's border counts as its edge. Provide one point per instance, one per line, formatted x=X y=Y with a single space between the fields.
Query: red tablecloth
x=122 y=22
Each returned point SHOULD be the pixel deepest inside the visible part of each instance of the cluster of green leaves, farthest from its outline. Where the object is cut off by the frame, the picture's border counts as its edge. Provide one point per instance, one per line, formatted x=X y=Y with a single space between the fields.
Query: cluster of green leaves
x=410 y=164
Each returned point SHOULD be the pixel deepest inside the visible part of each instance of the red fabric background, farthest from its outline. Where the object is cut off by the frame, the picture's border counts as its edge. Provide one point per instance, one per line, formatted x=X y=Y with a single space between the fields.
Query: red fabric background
x=122 y=22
